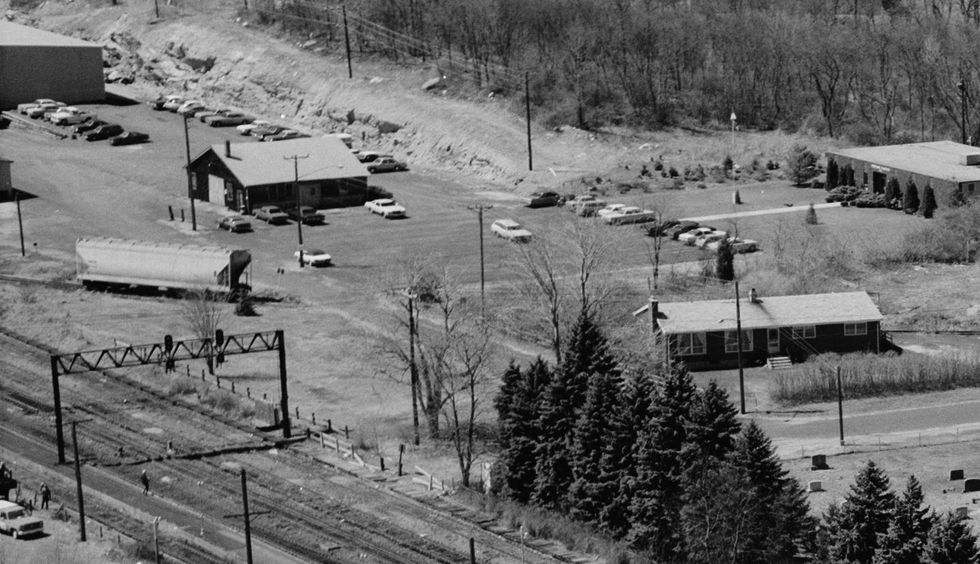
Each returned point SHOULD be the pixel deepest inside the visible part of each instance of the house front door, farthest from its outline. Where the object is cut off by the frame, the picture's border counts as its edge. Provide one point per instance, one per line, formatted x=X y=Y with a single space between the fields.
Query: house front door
x=772 y=340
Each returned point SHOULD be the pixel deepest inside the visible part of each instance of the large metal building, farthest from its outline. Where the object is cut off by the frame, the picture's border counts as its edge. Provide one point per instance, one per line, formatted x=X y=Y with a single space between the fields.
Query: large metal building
x=40 y=64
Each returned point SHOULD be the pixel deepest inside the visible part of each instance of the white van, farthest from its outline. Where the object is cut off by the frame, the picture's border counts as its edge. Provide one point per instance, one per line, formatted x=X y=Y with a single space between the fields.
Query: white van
x=15 y=522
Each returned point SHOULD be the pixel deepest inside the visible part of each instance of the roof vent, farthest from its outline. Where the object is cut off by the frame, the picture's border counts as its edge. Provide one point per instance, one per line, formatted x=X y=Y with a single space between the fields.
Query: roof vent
x=753 y=297
x=970 y=159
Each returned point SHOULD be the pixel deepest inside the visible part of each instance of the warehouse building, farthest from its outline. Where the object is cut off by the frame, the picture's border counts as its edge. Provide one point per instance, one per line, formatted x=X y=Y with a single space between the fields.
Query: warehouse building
x=245 y=176
x=40 y=64
x=945 y=165
x=704 y=334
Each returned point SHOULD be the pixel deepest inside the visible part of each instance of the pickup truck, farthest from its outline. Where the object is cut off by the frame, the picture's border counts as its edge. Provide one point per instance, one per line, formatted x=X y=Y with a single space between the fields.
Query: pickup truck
x=15 y=522
x=630 y=214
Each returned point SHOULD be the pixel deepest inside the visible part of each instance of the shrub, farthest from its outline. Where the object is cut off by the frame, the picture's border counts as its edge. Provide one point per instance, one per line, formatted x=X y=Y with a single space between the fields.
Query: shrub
x=870 y=201
x=811 y=215
x=716 y=174
x=843 y=194
x=802 y=164
x=910 y=203
x=728 y=165
x=736 y=198
x=892 y=189
x=672 y=172
x=928 y=202
x=694 y=174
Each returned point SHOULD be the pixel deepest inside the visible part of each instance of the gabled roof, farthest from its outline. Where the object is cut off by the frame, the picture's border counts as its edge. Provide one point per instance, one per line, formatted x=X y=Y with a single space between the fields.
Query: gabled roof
x=936 y=159
x=16 y=35
x=769 y=311
x=256 y=164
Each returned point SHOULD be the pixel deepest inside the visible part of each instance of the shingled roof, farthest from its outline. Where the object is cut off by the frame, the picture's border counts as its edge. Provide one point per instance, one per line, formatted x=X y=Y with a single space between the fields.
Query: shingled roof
x=257 y=164
x=769 y=311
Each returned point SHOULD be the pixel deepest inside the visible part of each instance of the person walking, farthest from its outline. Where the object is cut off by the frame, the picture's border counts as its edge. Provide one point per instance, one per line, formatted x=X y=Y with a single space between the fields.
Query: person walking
x=45 y=495
x=145 y=480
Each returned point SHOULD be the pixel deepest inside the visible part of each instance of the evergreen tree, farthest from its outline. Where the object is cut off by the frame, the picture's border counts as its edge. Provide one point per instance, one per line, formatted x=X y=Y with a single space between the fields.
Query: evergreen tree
x=906 y=537
x=657 y=494
x=711 y=428
x=854 y=526
x=928 y=202
x=587 y=494
x=587 y=355
x=618 y=465
x=951 y=541
x=957 y=198
x=833 y=174
x=892 y=190
x=717 y=514
x=811 y=215
x=518 y=412
x=802 y=164
x=780 y=522
x=725 y=261
x=911 y=200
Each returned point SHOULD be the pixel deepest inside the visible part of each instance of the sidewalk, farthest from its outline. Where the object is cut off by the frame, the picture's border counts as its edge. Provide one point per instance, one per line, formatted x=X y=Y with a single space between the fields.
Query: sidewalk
x=736 y=215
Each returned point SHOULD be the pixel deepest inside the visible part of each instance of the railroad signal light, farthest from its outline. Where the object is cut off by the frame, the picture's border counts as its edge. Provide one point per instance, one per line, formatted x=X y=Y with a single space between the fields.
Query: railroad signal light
x=168 y=346
x=219 y=339
x=168 y=343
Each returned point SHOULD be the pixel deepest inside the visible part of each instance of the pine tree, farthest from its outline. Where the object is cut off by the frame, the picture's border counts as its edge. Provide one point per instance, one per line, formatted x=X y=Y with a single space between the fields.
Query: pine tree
x=725 y=261
x=908 y=531
x=892 y=190
x=802 y=164
x=811 y=215
x=712 y=426
x=833 y=174
x=587 y=494
x=854 y=526
x=587 y=355
x=951 y=542
x=928 y=202
x=657 y=495
x=718 y=512
x=618 y=466
x=781 y=522
x=911 y=201
x=518 y=412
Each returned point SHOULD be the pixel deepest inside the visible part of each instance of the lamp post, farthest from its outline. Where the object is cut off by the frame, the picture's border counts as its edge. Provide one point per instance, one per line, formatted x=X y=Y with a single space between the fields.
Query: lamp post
x=962 y=87
x=299 y=215
x=732 y=118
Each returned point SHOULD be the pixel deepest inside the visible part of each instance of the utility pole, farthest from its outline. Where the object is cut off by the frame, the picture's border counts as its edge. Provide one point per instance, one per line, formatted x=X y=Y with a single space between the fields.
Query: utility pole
x=413 y=370
x=78 y=484
x=479 y=208
x=190 y=182
x=527 y=112
x=299 y=201
x=248 y=527
x=156 y=539
x=738 y=330
x=962 y=87
x=350 y=71
x=840 y=407
x=20 y=223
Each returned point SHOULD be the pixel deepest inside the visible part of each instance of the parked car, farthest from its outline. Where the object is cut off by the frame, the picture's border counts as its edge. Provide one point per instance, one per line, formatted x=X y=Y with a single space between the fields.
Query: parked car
x=263 y=130
x=271 y=215
x=130 y=138
x=15 y=522
x=41 y=110
x=370 y=156
x=246 y=128
x=104 y=132
x=209 y=112
x=702 y=241
x=543 y=199
x=386 y=207
x=22 y=108
x=689 y=237
x=738 y=244
x=629 y=214
x=235 y=223
x=658 y=229
x=227 y=118
x=191 y=107
x=160 y=101
x=172 y=103
x=574 y=203
x=589 y=209
x=88 y=126
x=611 y=208
x=386 y=164
x=682 y=227
x=307 y=214
x=70 y=115
x=510 y=230
x=314 y=257
x=284 y=135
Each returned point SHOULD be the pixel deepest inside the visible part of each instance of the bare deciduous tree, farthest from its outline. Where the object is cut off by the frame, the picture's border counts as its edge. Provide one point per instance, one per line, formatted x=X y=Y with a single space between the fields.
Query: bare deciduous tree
x=202 y=311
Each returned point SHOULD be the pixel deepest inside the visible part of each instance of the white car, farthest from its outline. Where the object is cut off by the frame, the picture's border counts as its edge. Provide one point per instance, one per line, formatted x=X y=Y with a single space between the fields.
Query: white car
x=70 y=115
x=22 y=108
x=314 y=257
x=510 y=230
x=702 y=241
x=629 y=214
x=246 y=128
x=41 y=110
x=691 y=236
x=738 y=244
x=385 y=207
x=609 y=209
x=173 y=103
x=191 y=107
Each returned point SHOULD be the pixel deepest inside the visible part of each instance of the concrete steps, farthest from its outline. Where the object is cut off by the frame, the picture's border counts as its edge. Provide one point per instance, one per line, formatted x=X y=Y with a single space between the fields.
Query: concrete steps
x=779 y=363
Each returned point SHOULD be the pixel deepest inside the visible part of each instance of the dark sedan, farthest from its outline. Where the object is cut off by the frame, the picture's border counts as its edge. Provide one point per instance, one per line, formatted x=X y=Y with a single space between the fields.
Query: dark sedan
x=104 y=132
x=682 y=227
x=307 y=214
x=89 y=126
x=130 y=138
x=263 y=130
x=543 y=199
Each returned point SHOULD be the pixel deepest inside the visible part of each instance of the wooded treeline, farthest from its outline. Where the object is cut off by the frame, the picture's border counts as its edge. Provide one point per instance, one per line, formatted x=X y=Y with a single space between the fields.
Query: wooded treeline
x=875 y=71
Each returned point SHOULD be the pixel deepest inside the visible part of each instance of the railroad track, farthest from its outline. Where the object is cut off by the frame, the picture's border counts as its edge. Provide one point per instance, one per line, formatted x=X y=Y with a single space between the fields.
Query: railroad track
x=301 y=525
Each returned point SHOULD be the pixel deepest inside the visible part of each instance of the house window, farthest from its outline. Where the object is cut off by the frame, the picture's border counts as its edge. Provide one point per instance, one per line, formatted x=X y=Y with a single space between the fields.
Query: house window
x=969 y=188
x=690 y=344
x=805 y=332
x=731 y=341
x=855 y=328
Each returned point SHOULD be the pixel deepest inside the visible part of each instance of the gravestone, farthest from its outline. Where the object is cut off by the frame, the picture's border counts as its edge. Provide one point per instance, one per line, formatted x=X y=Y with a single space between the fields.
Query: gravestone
x=814 y=486
x=971 y=485
x=818 y=462
x=955 y=475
